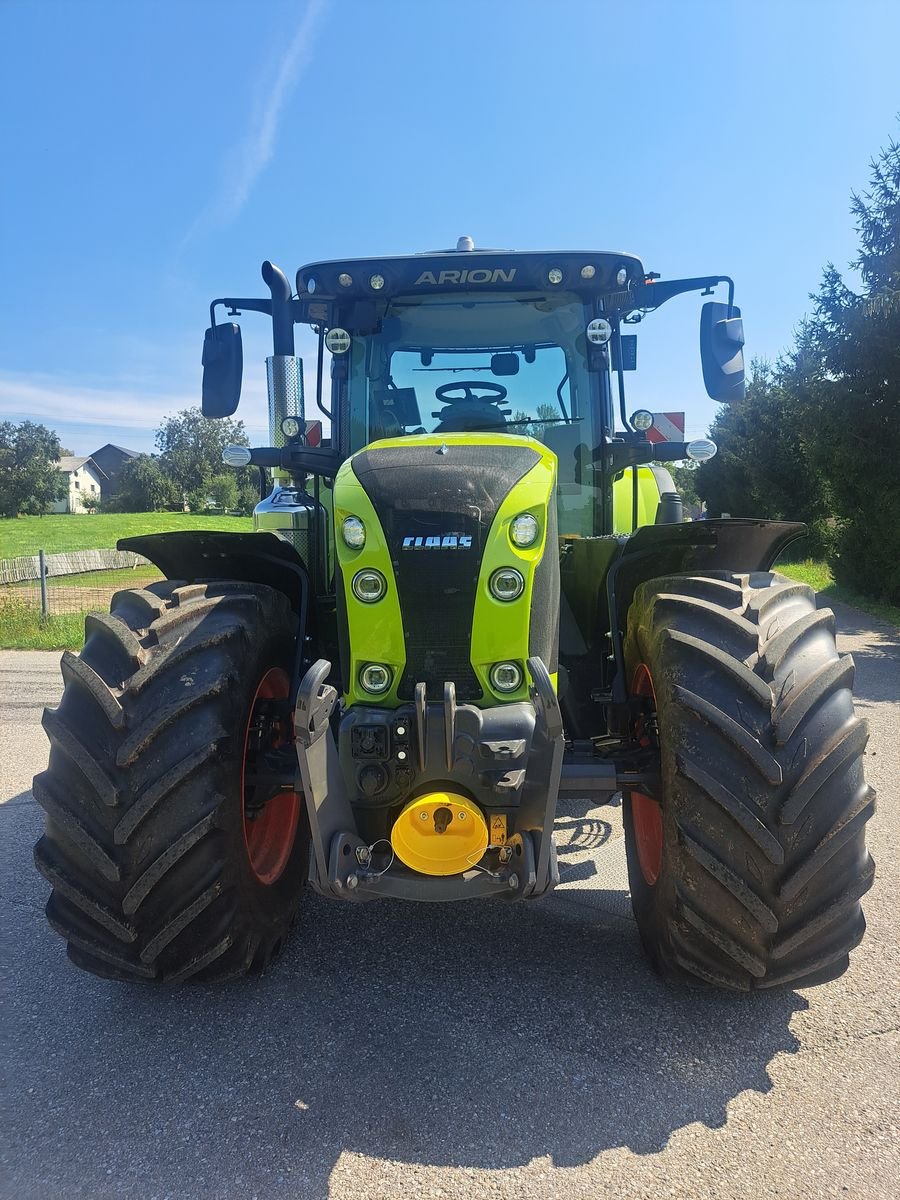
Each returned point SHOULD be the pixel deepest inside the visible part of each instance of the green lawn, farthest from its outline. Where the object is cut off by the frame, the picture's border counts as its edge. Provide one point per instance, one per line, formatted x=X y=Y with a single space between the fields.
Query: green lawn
x=80 y=531
x=23 y=628
x=818 y=575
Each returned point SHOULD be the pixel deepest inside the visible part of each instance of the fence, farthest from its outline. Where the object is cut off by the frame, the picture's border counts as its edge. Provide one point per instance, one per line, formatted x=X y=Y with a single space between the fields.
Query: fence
x=75 y=582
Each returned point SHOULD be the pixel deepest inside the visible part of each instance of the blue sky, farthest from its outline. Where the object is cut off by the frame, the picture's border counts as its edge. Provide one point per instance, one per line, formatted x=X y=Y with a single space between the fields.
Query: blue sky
x=154 y=154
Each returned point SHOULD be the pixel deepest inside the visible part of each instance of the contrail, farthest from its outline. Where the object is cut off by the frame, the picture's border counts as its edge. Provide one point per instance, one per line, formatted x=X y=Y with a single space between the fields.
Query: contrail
x=248 y=158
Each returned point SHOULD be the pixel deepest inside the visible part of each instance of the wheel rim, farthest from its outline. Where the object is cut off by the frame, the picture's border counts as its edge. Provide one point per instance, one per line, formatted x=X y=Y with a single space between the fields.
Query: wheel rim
x=270 y=836
x=646 y=815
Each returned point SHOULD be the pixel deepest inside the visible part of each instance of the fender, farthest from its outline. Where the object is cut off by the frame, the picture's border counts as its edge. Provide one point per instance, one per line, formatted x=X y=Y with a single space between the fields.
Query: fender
x=194 y=554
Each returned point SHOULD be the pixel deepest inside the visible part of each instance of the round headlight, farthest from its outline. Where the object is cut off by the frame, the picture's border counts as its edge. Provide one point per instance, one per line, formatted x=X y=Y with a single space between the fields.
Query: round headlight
x=506 y=677
x=291 y=427
x=702 y=449
x=507 y=584
x=588 y=271
x=554 y=275
x=337 y=340
x=375 y=678
x=642 y=419
x=599 y=331
x=376 y=282
x=523 y=530
x=621 y=277
x=344 y=279
x=353 y=532
x=368 y=586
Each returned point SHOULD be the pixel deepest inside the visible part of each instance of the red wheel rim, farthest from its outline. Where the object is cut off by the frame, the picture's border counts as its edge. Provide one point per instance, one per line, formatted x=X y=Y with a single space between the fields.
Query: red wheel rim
x=646 y=815
x=270 y=837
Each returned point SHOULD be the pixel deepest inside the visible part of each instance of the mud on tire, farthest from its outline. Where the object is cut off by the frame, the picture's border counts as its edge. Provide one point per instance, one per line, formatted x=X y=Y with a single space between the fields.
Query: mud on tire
x=144 y=843
x=763 y=801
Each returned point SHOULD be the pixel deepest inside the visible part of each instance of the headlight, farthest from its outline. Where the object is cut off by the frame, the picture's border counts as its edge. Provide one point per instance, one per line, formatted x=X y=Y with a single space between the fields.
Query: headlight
x=507 y=584
x=369 y=586
x=291 y=427
x=523 y=530
x=375 y=678
x=353 y=532
x=506 y=677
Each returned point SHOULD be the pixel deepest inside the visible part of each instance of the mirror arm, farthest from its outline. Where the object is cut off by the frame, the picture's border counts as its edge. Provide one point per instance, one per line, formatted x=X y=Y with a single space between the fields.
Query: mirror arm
x=235 y=304
x=653 y=293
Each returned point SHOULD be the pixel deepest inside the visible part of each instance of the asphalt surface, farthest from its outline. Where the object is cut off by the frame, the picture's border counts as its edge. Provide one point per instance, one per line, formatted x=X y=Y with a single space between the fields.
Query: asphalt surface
x=478 y=1050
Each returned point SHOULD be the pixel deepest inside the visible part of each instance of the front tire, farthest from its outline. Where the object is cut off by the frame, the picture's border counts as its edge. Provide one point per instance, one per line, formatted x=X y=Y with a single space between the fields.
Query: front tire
x=158 y=871
x=748 y=864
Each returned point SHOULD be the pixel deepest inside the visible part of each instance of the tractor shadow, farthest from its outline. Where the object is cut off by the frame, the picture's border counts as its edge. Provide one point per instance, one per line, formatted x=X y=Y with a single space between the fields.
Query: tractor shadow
x=480 y=1035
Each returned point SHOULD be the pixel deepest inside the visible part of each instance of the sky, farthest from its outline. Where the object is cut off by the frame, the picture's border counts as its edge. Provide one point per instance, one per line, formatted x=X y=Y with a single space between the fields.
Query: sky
x=155 y=153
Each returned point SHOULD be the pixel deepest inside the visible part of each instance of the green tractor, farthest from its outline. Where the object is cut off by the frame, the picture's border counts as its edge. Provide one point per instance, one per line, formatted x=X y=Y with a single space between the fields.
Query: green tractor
x=466 y=596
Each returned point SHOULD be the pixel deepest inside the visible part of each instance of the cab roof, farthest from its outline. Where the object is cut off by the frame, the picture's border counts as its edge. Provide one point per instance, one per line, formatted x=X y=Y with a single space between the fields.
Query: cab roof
x=588 y=272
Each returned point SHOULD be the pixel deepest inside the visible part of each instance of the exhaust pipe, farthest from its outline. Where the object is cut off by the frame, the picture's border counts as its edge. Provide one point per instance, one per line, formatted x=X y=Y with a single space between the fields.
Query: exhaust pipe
x=284 y=371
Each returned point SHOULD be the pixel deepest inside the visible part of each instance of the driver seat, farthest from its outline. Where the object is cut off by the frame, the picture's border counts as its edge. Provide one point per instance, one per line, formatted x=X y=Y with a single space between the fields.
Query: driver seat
x=468 y=416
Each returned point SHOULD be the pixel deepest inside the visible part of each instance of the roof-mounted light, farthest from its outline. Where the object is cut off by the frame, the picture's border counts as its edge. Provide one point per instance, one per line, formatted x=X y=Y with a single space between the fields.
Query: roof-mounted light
x=337 y=340
x=621 y=276
x=588 y=271
x=345 y=280
x=554 y=275
x=376 y=282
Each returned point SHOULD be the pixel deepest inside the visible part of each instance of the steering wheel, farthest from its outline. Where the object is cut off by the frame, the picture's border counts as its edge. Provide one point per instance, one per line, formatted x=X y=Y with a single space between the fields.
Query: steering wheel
x=496 y=391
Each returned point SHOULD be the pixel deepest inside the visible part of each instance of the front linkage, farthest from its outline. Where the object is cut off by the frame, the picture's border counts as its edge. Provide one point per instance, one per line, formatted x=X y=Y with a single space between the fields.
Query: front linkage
x=511 y=754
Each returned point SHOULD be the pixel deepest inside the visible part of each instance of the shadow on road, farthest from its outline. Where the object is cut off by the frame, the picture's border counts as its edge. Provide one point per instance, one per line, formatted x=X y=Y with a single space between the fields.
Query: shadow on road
x=480 y=1035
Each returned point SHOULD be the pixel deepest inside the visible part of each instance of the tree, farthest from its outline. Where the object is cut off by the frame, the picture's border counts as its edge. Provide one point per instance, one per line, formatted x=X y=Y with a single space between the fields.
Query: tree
x=190 y=447
x=145 y=487
x=855 y=412
x=764 y=467
x=30 y=479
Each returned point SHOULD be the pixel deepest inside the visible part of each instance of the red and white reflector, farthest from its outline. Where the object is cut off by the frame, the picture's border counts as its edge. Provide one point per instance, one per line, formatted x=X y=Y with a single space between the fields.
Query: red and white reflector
x=666 y=427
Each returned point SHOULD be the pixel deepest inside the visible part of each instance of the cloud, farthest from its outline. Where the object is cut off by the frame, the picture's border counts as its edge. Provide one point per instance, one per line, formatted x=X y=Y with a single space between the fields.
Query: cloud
x=246 y=159
x=46 y=398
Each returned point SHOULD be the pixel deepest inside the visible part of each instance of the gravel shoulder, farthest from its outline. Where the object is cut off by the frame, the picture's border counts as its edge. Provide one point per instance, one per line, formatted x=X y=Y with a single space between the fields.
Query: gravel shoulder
x=477 y=1050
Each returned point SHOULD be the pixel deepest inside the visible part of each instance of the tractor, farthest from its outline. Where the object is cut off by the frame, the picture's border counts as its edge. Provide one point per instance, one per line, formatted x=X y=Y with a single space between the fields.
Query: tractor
x=464 y=597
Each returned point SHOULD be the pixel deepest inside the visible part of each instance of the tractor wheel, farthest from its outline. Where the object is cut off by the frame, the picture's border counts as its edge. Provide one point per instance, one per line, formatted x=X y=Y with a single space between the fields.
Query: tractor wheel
x=166 y=858
x=748 y=861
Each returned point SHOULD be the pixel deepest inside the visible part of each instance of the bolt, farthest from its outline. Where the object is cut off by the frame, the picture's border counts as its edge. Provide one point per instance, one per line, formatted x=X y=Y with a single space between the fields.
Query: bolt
x=512 y=882
x=352 y=881
x=401 y=755
x=462 y=816
x=423 y=816
x=363 y=855
x=401 y=731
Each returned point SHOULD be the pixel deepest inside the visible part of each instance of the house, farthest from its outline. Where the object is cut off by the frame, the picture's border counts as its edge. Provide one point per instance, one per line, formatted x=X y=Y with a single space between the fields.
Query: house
x=86 y=483
x=111 y=459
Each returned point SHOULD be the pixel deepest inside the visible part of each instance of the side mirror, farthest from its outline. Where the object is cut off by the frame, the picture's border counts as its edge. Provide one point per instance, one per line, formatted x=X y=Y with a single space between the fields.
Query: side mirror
x=223 y=365
x=722 y=351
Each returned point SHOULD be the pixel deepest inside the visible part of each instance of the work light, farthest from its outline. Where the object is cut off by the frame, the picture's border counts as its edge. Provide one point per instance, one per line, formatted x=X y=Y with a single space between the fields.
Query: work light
x=555 y=275
x=291 y=427
x=507 y=584
x=641 y=420
x=376 y=282
x=368 y=586
x=344 y=279
x=337 y=341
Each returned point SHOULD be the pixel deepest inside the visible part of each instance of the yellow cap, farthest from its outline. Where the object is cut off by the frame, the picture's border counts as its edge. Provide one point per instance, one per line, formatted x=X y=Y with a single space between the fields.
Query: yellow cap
x=441 y=833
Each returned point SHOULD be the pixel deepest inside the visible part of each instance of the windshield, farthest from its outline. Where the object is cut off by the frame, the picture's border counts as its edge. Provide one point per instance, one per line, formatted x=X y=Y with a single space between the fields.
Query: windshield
x=511 y=363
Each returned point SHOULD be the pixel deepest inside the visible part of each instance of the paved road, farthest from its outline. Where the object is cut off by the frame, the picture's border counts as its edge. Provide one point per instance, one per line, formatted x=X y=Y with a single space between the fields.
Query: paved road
x=465 y=1051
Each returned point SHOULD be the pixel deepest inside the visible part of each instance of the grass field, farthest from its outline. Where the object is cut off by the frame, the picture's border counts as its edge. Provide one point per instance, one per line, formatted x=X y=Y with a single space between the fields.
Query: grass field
x=79 y=531
x=818 y=575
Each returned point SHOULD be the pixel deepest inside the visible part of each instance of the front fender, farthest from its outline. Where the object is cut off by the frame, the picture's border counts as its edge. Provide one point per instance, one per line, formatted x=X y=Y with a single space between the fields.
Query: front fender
x=195 y=554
